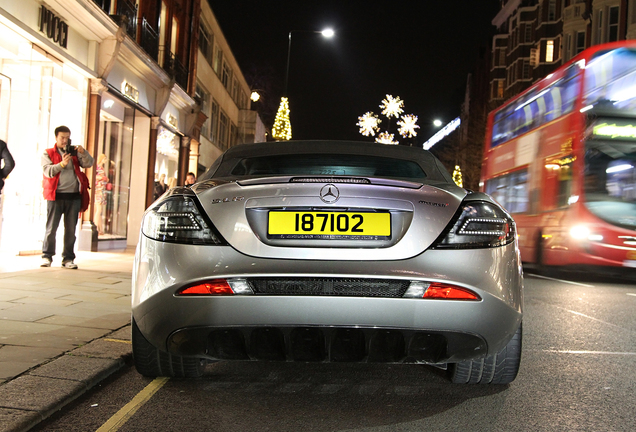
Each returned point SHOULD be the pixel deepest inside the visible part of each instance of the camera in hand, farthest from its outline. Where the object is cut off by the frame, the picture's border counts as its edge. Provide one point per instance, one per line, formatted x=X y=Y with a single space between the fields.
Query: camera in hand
x=70 y=149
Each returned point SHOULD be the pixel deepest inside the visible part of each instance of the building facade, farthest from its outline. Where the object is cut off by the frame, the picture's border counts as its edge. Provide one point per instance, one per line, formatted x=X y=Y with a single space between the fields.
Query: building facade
x=534 y=37
x=122 y=75
x=224 y=95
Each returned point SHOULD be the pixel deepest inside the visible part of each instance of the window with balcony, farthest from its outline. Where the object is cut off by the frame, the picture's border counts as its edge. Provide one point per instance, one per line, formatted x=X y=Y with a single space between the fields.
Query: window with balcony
x=549 y=51
x=552 y=10
x=224 y=129
x=527 y=71
x=580 y=42
x=567 y=46
x=226 y=77
x=233 y=134
x=528 y=33
x=612 y=24
x=204 y=97
x=206 y=42
x=218 y=60
x=599 y=27
x=214 y=121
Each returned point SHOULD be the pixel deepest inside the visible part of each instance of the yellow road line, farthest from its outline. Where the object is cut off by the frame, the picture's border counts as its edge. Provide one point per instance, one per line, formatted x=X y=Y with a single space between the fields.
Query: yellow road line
x=118 y=340
x=123 y=415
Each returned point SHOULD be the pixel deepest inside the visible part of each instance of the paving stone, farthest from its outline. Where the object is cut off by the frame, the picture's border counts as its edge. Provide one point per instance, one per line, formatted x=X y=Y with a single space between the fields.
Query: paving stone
x=45 y=301
x=27 y=354
x=22 y=328
x=104 y=349
x=91 y=296
x=86 y=370
x=39 y=340
x=18 y=420
x=24 y=312
x=11 y=369
x=74 y=321
x=123 y=334
x=11 y=295
x=39 y=394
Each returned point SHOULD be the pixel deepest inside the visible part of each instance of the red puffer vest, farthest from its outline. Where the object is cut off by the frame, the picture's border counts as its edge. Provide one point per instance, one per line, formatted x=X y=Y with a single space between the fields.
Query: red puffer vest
x=49 y=184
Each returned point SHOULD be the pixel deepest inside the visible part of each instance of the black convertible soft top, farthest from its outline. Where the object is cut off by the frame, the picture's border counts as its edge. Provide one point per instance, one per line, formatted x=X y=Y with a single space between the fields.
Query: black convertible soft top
x=229 y=162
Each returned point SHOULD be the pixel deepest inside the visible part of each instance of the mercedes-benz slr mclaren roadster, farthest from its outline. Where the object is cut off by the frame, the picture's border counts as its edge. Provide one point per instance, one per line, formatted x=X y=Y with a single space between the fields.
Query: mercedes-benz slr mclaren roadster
x=323 y=251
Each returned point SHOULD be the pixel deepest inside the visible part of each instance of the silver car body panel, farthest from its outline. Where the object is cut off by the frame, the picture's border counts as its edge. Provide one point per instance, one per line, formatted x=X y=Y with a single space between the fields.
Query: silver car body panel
x=418 y=217
x=162 y=268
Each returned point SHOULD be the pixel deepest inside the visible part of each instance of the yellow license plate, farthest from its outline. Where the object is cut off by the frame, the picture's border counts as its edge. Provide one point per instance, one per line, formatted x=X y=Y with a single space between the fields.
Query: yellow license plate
x=329 y=225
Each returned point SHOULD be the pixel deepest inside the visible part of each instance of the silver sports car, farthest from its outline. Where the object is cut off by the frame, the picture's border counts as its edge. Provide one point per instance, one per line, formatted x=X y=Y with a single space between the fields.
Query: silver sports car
x=322 y=251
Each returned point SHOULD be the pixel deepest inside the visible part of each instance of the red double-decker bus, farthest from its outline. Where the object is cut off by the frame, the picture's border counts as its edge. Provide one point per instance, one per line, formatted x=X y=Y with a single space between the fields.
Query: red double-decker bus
x=561 y=158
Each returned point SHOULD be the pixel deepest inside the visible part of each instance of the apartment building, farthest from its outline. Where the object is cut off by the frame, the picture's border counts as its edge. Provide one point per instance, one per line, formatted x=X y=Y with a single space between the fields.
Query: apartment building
x=224 y=94
x=534 y=37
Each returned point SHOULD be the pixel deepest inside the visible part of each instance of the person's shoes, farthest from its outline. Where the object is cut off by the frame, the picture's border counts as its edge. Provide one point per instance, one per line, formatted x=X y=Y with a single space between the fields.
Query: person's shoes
x=69 y=265
x=46 y=262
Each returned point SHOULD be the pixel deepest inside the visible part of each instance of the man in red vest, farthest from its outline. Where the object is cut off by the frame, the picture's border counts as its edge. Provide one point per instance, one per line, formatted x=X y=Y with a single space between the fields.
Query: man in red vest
x=61 y=166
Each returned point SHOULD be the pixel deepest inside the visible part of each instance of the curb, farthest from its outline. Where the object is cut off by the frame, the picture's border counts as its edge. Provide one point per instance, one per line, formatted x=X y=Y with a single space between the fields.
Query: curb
x=40 y=392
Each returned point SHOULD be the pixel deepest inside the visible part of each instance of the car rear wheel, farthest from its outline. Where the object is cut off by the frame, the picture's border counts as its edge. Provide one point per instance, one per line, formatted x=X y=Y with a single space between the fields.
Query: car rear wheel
x=500 y=368
x=151 y=362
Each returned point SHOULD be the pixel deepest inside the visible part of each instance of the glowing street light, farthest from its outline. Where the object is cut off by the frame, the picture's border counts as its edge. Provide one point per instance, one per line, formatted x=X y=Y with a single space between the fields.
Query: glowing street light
x=282 y=125
x=437 y=122
x=255 y=96
x=328 y=33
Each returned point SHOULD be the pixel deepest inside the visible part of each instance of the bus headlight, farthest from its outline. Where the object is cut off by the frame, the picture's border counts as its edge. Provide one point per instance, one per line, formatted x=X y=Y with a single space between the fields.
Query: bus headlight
x=582 y=232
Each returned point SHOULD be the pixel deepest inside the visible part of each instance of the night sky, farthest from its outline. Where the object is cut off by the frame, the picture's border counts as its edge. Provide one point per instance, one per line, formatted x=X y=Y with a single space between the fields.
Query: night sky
x=419 y=50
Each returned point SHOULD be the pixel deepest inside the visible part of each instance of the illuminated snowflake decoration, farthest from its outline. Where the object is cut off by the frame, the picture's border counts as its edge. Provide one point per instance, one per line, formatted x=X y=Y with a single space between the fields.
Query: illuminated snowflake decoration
x=392 y=107
x=407 y=125
x=385 y=138
x=368 y=124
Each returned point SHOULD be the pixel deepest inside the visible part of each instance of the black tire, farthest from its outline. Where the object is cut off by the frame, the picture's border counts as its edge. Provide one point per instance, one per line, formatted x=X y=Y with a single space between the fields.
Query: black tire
x=151 y=362
x=500 y=368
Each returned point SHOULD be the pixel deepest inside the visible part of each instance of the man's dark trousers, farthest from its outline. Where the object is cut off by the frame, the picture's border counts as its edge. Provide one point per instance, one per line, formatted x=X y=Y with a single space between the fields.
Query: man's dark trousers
x=69 y=208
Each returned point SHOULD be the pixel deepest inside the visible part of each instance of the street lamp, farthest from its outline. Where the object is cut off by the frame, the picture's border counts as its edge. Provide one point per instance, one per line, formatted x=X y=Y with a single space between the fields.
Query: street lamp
x=282 y=126
x=326 y=33
x=255 y=96
x=437 y=122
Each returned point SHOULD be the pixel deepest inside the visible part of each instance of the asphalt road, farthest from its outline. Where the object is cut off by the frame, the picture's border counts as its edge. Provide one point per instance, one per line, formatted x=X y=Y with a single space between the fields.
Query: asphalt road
x=578 y=373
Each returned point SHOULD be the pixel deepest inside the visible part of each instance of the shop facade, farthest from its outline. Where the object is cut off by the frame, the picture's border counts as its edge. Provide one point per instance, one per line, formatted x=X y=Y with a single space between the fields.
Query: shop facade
x=90 y=74
x=43 y=84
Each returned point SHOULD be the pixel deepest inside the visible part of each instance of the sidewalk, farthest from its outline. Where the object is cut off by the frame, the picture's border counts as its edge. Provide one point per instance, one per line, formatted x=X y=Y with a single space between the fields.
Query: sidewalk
x=61 y=331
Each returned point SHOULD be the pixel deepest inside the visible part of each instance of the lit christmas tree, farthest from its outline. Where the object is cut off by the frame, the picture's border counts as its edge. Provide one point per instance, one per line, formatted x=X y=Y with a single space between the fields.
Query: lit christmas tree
x=391 y=107
x=457 y=176
x=282 y=126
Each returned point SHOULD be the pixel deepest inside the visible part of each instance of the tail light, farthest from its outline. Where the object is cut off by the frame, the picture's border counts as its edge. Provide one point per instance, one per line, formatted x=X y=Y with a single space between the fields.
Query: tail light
x=439 y=291
x=217 y=287
x=480 y=224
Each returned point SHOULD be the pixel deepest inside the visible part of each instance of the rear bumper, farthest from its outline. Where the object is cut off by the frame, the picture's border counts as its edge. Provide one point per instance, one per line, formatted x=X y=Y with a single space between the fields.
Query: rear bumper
x=319 y=344
x=382 y=329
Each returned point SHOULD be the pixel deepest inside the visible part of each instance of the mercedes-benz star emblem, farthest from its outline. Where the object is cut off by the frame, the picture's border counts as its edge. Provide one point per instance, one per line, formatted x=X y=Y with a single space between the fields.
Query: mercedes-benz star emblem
x=329 y=194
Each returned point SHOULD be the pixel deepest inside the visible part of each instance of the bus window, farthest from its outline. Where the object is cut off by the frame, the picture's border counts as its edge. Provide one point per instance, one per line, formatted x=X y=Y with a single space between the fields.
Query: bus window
x=570 y=92
x=557 y=185
x=609 y=76
x=510 y=191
